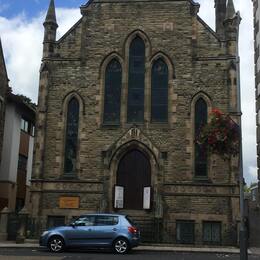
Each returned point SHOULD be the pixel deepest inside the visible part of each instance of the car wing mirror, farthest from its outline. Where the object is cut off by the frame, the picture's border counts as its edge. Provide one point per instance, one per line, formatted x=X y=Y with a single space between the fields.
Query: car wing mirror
x=72 y=224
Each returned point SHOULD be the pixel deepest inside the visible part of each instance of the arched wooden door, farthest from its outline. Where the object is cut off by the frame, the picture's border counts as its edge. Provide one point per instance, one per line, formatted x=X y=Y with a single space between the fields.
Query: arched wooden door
x=134 y=173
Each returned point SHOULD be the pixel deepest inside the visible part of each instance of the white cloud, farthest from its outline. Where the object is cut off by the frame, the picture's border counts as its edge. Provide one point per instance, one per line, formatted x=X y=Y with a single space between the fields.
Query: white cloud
x=252 y=174
x=22 y=43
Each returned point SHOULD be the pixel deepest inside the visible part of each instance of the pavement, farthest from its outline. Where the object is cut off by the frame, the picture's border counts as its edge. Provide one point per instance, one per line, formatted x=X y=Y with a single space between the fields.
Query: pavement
x=149 y=247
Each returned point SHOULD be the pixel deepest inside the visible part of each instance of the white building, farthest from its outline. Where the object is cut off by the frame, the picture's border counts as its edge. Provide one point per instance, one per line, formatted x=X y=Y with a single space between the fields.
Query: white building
x=17 y=153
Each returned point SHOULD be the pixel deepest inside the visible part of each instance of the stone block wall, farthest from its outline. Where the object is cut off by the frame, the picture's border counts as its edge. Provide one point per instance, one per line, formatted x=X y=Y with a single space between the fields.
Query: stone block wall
x=198 y=66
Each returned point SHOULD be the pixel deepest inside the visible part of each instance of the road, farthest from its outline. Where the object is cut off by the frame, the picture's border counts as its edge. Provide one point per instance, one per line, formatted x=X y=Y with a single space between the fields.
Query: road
x=41 y=254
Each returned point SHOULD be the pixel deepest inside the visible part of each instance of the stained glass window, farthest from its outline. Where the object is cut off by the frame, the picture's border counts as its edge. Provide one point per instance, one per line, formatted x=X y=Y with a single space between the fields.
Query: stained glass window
x=135 y=109
x=71 y=137
x=201 y=117
x=113 y=84
x=159 y=91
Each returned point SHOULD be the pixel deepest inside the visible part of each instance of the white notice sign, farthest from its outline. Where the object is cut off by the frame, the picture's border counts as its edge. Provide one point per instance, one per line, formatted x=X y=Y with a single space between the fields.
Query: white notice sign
x=147 y=198
x=119 y=197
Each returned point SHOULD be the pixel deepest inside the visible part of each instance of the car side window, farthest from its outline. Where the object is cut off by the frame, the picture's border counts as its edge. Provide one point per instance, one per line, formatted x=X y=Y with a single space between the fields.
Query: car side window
x=85 y=221
x=106 y=220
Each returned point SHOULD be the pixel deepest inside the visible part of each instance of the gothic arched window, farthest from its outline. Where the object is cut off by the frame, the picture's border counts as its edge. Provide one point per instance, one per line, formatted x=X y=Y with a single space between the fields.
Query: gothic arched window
x=135 y=107
x=113 y=84
x=159 y=100
x=71 y=138
x=201 y=117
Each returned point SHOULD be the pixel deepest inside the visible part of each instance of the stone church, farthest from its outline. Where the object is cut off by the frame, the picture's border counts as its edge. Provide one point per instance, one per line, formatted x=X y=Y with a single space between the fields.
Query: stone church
x=122 y=96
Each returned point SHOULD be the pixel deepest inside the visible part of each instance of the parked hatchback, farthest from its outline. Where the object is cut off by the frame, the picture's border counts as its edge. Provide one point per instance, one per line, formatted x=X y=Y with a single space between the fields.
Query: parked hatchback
x=94 y=231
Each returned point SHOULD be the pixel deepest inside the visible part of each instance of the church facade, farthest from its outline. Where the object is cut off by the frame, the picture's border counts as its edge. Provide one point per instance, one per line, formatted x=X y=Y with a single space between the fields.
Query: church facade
x=122 y=97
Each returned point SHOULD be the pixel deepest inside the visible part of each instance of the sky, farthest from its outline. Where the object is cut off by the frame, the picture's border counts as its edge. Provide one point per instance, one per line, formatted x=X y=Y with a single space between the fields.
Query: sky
x=21 y=32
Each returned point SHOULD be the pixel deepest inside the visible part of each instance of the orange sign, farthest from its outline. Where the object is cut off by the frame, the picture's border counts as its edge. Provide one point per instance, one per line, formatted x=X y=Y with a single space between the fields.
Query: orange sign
x=69 y=202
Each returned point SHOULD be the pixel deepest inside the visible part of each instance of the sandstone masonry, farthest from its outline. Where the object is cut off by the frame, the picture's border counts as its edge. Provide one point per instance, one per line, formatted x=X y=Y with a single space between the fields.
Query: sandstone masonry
x=201 y=64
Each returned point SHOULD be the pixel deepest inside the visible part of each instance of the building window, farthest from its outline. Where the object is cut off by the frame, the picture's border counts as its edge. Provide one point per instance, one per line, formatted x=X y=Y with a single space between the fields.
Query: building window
x=253 y=193
x=33 y=130
x=185 y=232
x=19 y=204
x=24 y=125
x=159 y=91
x=258 y=89
x=55 y=221
x=201 y=118
x=135 y=108
x=1 y=106
x=22 y=163
x=113 y=84
x=71 y=137
x=212 y=232
x=258 y=117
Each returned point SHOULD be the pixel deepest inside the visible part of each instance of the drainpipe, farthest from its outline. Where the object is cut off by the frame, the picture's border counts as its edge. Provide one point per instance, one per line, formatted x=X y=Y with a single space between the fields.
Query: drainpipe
x=242 y=232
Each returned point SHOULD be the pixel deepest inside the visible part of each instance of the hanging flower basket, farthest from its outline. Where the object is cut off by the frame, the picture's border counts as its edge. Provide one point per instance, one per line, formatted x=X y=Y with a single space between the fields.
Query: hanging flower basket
x=220 y=136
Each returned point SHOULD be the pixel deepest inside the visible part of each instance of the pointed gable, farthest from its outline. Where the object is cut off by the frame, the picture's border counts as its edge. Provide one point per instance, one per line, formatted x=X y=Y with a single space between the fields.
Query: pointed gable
x=51 y=14
x=3 y=73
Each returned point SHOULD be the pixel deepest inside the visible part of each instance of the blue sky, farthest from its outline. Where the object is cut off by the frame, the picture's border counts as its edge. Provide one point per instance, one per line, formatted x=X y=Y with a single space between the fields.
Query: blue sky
x=21 y=32
x=32 y=7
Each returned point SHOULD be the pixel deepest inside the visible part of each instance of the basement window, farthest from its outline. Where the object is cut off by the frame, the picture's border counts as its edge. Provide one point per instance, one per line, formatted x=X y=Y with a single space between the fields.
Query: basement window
x=212 y=233
x=185 y=231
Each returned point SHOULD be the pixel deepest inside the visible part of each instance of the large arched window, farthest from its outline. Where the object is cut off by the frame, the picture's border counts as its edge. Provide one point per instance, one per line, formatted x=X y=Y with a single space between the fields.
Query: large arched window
x=159 y=100
x=113 y=84
x=135 y=108
x=71 y=138
x=201 y=117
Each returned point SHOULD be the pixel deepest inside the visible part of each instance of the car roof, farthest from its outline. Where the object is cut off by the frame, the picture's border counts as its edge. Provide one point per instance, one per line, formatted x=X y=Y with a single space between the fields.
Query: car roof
x=104 y=214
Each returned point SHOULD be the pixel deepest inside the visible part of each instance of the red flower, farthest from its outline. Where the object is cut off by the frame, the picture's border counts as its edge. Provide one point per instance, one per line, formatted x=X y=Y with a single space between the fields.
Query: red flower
x=220 y=135
x=216 y=112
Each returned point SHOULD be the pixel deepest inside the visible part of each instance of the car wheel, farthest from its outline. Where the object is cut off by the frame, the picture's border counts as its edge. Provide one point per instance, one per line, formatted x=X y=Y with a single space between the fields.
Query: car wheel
x=121 y=246
x=56 y=244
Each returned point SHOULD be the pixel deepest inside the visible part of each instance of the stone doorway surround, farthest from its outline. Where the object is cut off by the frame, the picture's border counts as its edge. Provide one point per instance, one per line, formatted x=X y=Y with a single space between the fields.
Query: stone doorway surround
x=134 y=138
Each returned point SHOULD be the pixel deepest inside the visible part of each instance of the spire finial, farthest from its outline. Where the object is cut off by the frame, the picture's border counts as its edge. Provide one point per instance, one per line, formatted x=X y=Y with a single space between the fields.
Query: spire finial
x=230 y=10
x=51 y=14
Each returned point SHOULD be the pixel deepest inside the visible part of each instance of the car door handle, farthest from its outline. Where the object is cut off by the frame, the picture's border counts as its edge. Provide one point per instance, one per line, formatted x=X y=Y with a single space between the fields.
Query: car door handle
x=114 y=229
x=89 y=229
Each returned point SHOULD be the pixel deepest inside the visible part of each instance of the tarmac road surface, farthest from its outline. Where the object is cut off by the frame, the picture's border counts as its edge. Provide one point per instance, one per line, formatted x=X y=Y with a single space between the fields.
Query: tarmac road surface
x=42 y=254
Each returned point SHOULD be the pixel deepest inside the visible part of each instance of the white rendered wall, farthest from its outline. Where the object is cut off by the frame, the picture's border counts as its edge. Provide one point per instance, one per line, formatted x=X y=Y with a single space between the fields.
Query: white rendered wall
x=257 y=38
x=11 y=142
x=30 y=161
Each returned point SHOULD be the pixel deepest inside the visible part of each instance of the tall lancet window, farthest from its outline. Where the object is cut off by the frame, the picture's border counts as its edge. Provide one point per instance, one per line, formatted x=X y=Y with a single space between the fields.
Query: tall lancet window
x=201 y=117
x=113 y=84
x=135 y=108
x=71 y=139
x=159 y=91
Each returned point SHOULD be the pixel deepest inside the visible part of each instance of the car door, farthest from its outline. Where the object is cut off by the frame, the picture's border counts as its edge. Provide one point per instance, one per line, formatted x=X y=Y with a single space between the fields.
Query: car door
x=106 y=229
x=81 y=232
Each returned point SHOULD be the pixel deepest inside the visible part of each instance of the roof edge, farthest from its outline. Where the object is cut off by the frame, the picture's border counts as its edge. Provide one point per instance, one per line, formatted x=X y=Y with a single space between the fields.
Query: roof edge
x=208 y=27
x=191 y=1
x=69 y=31
x=3 y=60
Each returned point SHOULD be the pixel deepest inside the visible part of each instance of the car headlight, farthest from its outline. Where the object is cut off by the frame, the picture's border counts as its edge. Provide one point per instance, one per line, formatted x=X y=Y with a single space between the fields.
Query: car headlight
x=45 y=233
